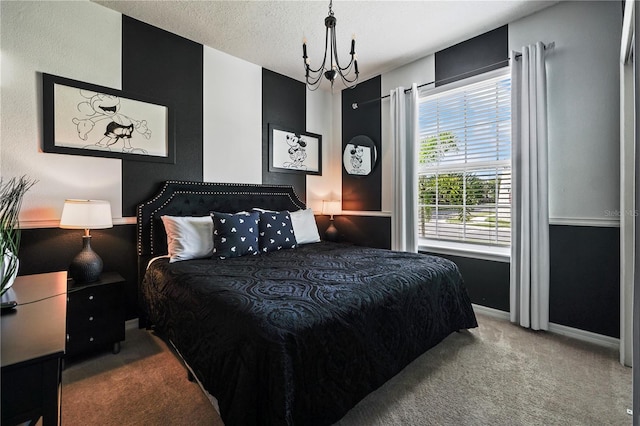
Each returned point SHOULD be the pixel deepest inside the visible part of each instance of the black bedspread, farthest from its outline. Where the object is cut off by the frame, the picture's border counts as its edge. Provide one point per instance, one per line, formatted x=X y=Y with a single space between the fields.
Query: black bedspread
x=300 y=336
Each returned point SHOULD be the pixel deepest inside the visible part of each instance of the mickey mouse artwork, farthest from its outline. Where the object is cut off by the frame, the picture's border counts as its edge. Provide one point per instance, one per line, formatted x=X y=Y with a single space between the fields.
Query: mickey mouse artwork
x=356 y=160
x=102 y=113
x=294 y=151
x=359 y=156
x=86 y=119
x=297 y=152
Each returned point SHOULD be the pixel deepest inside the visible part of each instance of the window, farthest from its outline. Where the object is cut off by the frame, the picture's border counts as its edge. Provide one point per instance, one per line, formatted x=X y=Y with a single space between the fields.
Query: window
x=464 y=162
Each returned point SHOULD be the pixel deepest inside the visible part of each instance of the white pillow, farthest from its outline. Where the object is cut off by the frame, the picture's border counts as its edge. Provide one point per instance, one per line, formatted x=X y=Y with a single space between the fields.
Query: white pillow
x=188 y=237
x=305 y=227
x=258 y=209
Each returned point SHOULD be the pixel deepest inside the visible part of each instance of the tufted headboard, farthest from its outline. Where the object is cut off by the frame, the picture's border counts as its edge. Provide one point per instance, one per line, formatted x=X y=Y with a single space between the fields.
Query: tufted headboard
x=179 y=198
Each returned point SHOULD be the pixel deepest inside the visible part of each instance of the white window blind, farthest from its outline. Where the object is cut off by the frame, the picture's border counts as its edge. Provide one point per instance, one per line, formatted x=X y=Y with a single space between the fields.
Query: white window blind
x=464 y=169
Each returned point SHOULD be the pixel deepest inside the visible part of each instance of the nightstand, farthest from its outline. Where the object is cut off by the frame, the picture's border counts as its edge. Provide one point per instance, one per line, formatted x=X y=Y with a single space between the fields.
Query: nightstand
x=95 y=314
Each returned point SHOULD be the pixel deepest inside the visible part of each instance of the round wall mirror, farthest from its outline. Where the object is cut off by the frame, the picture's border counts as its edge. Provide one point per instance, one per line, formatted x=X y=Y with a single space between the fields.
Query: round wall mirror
x=360 y=156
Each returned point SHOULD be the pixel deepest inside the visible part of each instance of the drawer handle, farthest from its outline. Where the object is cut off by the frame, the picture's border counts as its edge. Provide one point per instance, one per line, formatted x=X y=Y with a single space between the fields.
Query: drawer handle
x=91 y=339
x=91 y=297
x=90 y=318
x=67 y=337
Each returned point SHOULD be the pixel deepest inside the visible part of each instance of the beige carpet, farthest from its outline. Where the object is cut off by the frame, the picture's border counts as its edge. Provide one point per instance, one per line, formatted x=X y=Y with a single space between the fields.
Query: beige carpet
x=498 y=374
x=145 y=384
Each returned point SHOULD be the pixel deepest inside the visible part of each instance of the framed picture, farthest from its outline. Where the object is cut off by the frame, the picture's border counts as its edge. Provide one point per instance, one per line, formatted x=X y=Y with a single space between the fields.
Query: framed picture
x=360 y=156
x=85 y=119
x=292 y=151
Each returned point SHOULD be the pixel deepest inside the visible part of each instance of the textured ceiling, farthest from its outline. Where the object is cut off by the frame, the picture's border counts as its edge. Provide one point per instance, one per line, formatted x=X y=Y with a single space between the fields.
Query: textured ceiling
x=269 y=33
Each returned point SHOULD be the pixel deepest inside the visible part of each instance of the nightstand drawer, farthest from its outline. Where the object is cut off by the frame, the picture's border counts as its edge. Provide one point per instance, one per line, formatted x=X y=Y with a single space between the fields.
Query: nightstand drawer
x=95 y=299
x=98 y=321
x=93 y=338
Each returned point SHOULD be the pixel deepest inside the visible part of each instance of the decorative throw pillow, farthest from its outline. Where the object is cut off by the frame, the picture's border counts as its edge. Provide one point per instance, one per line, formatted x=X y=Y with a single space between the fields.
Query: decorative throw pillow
x=304 y=226
x=188 y=237
x=235 y=234
x=276 y=231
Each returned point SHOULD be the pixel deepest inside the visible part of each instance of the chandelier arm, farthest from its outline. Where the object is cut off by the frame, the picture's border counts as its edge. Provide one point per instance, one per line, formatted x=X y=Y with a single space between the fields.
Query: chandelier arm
x=324 y=60
x=327 y=43
x=313 y=87
x=349 y=66
x=315 y=79
x=345 y=77
x=348 y=72
x=335 y=49
x=311 y=70
x=332 y=43
x=346 y=80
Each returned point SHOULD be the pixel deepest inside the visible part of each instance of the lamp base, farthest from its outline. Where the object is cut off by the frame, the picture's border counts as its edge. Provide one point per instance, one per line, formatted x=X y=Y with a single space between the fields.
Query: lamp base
x=86 y=267
x=331 y=234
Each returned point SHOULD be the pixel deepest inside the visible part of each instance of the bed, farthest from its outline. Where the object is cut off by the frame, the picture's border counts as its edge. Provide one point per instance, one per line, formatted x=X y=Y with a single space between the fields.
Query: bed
x=289 y=336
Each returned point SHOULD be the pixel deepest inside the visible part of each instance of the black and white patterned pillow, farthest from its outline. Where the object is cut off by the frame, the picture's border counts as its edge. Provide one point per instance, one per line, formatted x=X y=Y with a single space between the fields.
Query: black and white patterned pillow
x=235 y=234
x=276 y=231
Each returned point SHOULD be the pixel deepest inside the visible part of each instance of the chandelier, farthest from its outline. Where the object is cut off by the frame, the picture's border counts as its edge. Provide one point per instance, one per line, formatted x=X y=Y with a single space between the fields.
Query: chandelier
x=331 y=68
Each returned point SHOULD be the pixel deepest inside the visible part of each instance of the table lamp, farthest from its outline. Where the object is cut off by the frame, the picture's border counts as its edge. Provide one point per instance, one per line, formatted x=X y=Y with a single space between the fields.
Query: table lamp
x=331 y=208
x=86 y=214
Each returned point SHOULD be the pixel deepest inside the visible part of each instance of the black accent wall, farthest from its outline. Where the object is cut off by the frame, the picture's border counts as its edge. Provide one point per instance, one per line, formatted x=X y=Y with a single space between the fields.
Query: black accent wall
x=284 y=103
x=487 y=281
x=584 y=290
x=368 y=231
x=362 y=193
x=167 y=67
x=486 y=52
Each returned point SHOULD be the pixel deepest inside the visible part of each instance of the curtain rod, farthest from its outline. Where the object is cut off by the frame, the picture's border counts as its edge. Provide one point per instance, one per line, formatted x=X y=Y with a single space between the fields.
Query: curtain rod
x=356 y=105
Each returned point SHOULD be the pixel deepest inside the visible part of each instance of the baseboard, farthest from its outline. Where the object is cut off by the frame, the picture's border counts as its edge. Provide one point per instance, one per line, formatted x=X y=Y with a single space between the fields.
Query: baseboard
x=585 y=336
x=131 y=324
x=574 y=333
x=490 y=312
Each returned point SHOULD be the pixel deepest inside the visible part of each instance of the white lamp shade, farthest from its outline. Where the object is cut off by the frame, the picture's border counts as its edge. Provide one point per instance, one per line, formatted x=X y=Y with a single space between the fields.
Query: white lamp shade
x=86 y=214
x=331 y=207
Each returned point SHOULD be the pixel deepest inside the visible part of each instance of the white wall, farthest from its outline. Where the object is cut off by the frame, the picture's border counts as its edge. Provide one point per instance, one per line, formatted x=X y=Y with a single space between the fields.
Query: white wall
x=320 y=121
x=232 y=149
x=583 y=106
x=78 y=40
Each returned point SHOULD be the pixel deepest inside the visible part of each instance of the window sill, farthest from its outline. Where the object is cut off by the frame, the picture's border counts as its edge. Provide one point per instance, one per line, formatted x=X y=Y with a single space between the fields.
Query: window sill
x=476 y=251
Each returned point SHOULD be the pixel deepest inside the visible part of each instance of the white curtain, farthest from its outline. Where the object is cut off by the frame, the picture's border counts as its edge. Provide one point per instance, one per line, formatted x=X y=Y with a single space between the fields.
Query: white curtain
x=404 y=133
x=529 y=288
